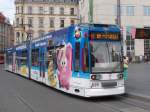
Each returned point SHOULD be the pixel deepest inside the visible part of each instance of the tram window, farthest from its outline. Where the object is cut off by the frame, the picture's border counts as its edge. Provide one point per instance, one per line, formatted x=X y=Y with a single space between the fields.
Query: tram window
x=54 y=59
x=77 y=57
x=9 y=59
x=17 y=61
x=51 y=58
x=85 y=58
x=35 y=57
x=23 y=58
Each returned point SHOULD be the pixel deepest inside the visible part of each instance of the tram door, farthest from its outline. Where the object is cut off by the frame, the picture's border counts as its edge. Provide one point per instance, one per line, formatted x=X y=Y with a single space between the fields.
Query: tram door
x=51 y=66
x=77 y=57
x=42 y=65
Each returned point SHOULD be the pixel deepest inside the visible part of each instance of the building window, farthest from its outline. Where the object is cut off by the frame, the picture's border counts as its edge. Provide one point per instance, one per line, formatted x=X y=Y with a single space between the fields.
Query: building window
x=41 y=33
x=130 y=44
x=29 y=10
x=30 y=34
x=41 y=10
x=22 y=22
x=17 y=37
x=30 y=21
x=41 y=22
x=17 y=10
x=147 y=49
x=62 y=11
x=17 y=22
x=146 y=10
x=122 y=10
x=22 y=10
x=51 y=20
x=71 y=11
x=72 y=22
x=130 y=10
x=51 y=10
x=23 y=39
x=61 y=23
x=116 y=10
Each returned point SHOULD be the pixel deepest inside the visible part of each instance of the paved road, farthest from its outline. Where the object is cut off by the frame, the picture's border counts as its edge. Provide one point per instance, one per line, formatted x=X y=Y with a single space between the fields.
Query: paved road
x=139 y=79
x=18 y=94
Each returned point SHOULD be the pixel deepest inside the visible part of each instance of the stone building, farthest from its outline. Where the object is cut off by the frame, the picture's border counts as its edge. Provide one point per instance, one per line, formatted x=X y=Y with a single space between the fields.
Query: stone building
x=6 y=33
x=38 y=17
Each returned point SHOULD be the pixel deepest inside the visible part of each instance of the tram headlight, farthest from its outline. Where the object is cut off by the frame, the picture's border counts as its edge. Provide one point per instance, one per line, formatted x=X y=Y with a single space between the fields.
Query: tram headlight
x=96 y=77
x=120 y=76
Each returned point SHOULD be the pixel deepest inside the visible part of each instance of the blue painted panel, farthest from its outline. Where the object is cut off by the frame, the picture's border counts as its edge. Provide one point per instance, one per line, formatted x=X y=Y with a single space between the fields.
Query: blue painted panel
x=81 y=75
x=35 y=68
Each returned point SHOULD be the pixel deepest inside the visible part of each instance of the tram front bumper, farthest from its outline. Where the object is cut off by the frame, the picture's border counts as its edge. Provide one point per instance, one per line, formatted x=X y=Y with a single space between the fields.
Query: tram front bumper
x=104 y=92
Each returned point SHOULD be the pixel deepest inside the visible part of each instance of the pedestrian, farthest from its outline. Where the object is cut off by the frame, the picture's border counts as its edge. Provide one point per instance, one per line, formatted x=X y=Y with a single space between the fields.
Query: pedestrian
x=125 y=68
x=145 y=58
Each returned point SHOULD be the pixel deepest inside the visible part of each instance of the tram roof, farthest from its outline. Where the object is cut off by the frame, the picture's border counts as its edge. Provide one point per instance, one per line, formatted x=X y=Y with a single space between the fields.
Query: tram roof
x=49 y=35
x=101 y=27
x=90 y=27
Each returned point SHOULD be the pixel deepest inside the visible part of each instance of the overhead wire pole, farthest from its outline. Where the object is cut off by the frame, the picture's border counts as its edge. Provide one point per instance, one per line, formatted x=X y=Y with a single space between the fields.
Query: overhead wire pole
x=22 y=19
x=118 y=21
x=118 y=13
x=91 y=11
x=29 y=38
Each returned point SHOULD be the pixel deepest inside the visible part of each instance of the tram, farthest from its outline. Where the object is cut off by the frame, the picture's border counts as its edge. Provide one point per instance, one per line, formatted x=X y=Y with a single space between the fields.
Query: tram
x=84 y=60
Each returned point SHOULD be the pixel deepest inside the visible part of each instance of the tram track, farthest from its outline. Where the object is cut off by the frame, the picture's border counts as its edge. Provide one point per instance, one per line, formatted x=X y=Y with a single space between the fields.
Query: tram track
x=123 y=104
x=136 y=102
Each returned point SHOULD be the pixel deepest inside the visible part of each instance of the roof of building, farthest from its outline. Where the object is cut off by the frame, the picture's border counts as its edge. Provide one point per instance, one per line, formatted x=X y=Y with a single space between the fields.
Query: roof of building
x=48 y=1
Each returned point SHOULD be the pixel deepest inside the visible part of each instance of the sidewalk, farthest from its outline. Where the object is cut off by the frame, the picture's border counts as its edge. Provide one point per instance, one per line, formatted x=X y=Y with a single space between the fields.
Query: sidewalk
x=138 y=84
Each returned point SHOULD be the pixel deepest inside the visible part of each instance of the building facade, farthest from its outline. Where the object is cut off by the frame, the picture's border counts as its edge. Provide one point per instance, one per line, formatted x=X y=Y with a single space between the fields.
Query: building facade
x=6 y=34
x=129 y=14
x=38 y=17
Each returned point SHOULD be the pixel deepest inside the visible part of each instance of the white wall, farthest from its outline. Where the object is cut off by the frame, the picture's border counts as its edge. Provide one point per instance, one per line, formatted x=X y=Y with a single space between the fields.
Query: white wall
x=104 y=12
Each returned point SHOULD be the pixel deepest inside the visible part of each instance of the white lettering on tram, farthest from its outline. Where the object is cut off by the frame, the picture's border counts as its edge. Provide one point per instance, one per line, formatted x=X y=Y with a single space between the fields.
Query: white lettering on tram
x=21 y=47
x=40 y=44
x=9 y=49
x=43 y=38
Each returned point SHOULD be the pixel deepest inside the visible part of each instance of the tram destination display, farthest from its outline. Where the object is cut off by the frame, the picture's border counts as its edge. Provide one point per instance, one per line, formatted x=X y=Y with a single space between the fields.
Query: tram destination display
x=105 y=36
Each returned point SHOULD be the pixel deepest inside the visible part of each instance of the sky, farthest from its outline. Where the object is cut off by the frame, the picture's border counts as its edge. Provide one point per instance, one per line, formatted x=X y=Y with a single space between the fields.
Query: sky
x=7 y=7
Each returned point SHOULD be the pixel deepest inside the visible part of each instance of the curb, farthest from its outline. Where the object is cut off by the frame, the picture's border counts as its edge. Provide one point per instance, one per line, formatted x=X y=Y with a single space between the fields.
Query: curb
x=138 y=96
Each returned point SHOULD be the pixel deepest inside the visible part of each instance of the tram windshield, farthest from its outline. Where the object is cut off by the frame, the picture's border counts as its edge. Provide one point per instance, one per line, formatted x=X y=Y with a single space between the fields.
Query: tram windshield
x=105 y=56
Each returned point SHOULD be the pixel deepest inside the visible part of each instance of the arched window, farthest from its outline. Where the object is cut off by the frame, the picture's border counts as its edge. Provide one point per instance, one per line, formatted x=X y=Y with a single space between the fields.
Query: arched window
x=30 y=34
